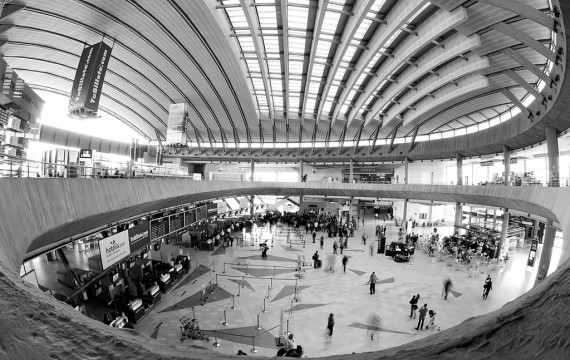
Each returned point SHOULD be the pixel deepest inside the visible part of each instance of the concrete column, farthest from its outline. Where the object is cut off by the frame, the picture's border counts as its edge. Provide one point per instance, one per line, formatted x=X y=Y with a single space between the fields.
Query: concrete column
x=406 y=173
x=494 y=216
x=553 y=157
x=301 y=170
x=405 y=212
x=535 y=228
x=507 y=163
x=458 y=214
x=504 y=244
x=351 y=174
x=459 y=158
x=546 y=253
x=252 y=170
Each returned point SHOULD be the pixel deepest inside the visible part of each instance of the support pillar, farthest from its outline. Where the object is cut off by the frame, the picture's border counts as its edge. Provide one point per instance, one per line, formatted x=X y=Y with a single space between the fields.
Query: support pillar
x=458 y=216
x=546 y=253
x=459 y=158
x=301 y=170
x=406 y=173
x=553 y=157
x=351 y=172
x=405 y=212
x=252 y=170
x=504 y=243
x=507 y=164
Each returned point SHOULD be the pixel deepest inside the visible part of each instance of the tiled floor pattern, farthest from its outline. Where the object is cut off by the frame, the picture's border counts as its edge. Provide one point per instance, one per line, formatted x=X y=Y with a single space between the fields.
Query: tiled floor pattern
x=343 y=294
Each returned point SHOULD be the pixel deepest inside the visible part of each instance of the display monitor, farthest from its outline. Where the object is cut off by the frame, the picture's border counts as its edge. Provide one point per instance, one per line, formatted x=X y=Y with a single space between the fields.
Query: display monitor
x=115 y=277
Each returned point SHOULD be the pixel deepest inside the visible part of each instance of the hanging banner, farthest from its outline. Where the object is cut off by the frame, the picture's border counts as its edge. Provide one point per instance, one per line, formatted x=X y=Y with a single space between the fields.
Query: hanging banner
x=176 y=130
x=139 y=236
x=114 y=248
x=89 y=79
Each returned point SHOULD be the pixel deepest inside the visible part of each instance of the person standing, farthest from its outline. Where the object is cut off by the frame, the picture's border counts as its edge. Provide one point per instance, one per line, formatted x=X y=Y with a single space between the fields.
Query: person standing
x=290 y=343
x=344 y=260
x=316 y=259
x=372 y=281
x=330 y=324
x=447 y=285
x=364 y=237
x=322 y=241
x=488 y=286
x=314 y=236
x=413 y=306
x=423 y=311
x=362 y=221
x=335 y=246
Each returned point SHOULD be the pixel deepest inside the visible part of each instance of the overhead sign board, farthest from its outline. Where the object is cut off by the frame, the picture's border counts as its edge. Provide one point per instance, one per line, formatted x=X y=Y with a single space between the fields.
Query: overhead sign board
x=487 y=163
x=139 y=236
x=114 y=248
x=89 y=79
x=86 y=153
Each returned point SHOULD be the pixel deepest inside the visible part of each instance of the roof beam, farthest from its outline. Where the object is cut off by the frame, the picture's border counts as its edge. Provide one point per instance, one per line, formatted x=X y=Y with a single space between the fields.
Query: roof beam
x=360 y=10
x=528 y=65
x=282 y=9
x=525 y=39
x=437 y=28
x=398 y=16
x=320 y=17
x=512 y=98
x=522 y=83
x=10 y=10
x=395 y=131
x=523 y=10
x=341 y=140
x=253 y=22
x=413 y=145
x=358 y=137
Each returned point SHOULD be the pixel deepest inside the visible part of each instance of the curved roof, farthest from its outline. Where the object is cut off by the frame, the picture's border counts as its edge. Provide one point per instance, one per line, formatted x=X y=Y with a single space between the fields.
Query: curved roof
x=300 y=73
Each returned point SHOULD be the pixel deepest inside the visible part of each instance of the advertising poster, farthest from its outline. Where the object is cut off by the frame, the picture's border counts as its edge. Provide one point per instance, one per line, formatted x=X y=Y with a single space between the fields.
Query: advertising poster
x=89 y=78
x=114 y=248
x=139 y=236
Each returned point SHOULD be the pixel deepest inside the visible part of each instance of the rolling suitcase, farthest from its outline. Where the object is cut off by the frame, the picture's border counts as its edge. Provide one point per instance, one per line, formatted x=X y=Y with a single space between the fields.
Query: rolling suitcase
x=319 y=263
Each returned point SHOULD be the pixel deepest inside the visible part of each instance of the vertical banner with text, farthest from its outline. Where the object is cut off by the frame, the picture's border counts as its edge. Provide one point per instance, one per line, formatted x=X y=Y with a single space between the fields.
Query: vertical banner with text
x=89 y=79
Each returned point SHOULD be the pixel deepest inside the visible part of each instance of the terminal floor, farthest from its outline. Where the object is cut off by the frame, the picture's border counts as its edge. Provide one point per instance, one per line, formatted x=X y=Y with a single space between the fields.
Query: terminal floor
x=344 y=294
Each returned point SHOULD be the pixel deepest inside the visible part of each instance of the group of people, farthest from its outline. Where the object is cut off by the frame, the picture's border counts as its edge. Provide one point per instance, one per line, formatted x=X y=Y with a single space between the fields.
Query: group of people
x=291 y=348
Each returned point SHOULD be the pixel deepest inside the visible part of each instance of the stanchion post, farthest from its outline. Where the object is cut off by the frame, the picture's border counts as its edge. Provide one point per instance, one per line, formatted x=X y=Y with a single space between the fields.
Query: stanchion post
x=193 y=314
x=271 y=286
x=247 y=269
x=253 y=349
x=216 y=342
x=234 y=302
x=264 y=309
x=287 y=331
x=258 y=327
x=239 y=290
x=243 y=281
x=216 y=279
x=225 y=323
x=291 y=310
x=273 y=272
x=224 y=268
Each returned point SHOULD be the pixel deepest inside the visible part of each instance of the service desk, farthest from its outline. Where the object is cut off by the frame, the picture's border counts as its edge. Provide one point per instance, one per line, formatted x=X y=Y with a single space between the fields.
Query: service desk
x=64 y=277
x=165 y=283
x=135 y=311
x=152 y=296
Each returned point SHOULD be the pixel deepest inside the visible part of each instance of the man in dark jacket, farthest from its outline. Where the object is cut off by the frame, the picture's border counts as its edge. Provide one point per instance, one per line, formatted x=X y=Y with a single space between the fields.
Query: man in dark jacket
x=423 y=311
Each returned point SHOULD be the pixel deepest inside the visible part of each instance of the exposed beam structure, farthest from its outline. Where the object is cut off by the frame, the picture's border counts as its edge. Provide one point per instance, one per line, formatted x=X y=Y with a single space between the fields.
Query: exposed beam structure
x=360 y=11
x=414 y=135
x=282 y=9
x=522 y=83
x=534 y=44
x=321 y=12
x=523 y=10
x=512 y=98
x=528 y=65
x=253 y=22
x=393 y=137
x=398 y=16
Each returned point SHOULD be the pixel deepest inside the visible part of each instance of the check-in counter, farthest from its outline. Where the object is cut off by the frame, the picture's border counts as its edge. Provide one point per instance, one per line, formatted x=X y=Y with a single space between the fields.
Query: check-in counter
x=165 y=283
x=152 y=296
x=135 y=310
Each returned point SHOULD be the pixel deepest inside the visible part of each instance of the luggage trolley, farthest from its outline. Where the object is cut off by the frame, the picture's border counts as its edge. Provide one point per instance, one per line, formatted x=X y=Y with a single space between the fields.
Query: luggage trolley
x=191 y=330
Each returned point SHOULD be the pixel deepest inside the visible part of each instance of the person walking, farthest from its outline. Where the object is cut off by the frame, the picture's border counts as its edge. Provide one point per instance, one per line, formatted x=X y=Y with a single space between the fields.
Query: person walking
x=423 y=311
x=488 y=286
x=413 y=306
x=330 y=324
x=362 y=221
x=322 y=241
x=372 y=281
x=344 y=260
x=335 y=246
x=364 y=238
x=447 y=285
